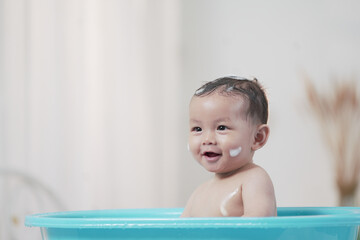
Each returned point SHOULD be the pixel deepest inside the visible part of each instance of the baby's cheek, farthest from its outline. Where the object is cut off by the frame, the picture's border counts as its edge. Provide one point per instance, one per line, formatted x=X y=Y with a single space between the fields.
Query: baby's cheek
x=232 y=146
x=193 y=145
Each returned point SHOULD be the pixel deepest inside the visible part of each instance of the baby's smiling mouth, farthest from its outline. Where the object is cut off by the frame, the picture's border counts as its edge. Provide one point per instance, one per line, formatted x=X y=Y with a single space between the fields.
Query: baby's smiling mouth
x=212 y=157
x=211 y=154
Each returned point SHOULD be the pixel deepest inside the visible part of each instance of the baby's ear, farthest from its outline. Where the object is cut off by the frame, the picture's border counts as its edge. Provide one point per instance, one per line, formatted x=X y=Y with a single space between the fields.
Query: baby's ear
x=261 y=136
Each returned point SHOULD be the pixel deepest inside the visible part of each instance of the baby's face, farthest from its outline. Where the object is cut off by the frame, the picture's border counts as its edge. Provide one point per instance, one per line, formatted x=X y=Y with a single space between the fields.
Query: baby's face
x=221 y=137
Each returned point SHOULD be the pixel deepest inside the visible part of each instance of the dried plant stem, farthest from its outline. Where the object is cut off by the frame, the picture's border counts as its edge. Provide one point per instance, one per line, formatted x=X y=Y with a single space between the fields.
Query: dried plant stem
x=339 y=117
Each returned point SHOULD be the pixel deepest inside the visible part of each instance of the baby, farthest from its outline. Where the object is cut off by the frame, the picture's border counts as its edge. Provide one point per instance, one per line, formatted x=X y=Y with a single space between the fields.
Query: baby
x=228 y=123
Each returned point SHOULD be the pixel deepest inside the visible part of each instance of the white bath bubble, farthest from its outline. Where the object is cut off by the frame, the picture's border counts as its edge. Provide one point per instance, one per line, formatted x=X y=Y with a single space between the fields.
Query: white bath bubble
x=223 y=209
x=235 y=152
x=199 y=91
x=229 y=89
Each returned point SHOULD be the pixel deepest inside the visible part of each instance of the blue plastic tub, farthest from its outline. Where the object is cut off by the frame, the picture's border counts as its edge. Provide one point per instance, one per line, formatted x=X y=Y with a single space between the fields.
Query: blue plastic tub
x=291 y=223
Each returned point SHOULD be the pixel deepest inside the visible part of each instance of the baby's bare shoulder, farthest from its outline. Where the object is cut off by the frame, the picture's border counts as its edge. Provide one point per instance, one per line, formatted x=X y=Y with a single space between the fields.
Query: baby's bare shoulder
x=255 y=171
x=199 y=190
x=256 y=179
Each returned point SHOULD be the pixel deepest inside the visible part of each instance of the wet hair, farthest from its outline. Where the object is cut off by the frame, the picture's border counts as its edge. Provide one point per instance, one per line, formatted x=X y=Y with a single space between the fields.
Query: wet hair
x=238 y=86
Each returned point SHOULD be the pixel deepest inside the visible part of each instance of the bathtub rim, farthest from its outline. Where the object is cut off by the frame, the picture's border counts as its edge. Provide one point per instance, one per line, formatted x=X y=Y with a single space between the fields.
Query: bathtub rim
x=168 y=218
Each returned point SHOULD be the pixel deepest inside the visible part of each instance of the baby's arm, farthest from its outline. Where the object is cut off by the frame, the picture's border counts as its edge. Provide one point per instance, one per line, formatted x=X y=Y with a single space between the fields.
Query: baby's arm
x=258 y=195
x=187 y=210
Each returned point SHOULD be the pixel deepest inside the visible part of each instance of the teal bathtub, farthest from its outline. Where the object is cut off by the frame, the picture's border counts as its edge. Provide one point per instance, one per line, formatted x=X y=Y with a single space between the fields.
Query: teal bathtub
x=291 y=223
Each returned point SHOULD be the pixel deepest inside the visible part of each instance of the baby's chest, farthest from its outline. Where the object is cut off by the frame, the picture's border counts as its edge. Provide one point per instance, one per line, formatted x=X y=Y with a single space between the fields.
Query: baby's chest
x=219 y=202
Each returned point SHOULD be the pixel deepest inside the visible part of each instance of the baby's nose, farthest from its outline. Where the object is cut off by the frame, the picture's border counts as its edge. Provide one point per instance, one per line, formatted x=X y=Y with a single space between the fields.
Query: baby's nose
x=209 y=138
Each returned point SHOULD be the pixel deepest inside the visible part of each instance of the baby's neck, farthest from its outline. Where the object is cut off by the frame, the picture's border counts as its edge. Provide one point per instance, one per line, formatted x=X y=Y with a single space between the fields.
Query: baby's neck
x=220 y=176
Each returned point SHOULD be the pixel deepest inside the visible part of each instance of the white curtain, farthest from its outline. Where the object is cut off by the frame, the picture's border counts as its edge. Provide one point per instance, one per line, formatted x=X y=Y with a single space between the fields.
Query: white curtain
x=89 y=106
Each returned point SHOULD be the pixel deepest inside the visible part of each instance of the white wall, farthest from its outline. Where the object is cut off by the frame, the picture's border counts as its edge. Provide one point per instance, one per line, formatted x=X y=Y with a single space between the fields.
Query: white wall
x=276 y=41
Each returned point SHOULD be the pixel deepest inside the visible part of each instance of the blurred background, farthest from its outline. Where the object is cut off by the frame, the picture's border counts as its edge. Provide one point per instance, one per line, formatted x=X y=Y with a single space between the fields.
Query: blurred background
x=94 y=97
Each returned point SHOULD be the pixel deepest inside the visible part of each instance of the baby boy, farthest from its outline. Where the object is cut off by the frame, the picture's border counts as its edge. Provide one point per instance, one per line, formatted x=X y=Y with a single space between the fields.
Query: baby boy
x=228 y=123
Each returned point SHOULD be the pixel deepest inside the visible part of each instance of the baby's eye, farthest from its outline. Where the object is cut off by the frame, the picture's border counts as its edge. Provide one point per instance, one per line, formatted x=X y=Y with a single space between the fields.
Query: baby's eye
x=196 y=129
x=222 y=128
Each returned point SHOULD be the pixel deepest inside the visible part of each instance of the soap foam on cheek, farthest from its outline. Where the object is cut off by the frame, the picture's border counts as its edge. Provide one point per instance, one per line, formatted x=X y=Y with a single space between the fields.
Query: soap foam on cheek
x=235 y=152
